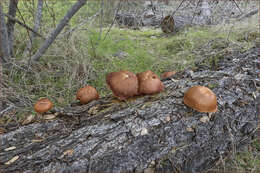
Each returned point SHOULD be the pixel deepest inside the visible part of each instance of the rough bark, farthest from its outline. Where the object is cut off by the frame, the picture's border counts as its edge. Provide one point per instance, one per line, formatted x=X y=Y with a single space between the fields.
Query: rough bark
x=37 y=23
x=156 y=131
x=58 y=29
x=10 y=23
x=205 y=12
x=6 y=54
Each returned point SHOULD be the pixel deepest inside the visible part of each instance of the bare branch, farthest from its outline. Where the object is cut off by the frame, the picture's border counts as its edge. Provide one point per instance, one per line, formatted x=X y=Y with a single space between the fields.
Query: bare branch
x=58 y=29
x=24 y=25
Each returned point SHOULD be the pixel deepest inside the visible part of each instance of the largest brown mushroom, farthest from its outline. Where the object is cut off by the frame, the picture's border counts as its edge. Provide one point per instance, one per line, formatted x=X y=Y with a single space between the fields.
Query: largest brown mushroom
x=201 y=99
x=149 y=83
x=124 y=84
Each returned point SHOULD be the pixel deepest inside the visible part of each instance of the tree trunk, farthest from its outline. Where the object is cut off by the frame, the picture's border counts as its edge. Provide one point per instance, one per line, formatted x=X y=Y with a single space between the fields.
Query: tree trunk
x=37 y=23
x=157 y=132
x=6 y=54
x=10 y=24
x=205 y=14
x=58 y=29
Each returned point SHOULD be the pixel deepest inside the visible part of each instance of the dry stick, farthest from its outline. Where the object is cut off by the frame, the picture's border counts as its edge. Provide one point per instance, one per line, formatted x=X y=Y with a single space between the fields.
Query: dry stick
x=101 y=19
x=177 y=8
x=251 y=13
x=238 y=6
x=79 y=25
x=10 y=24
x=24 y=25
x=117 y=10
x=58 y=29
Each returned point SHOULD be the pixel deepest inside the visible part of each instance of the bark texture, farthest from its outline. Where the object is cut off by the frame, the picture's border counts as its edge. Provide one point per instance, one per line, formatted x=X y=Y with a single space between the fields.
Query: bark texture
x=10 y=23
x=157 y=132
x=6 y=54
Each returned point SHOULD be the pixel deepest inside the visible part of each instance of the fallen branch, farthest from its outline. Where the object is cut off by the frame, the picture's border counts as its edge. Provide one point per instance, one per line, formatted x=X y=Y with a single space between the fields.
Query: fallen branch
x=157 y=132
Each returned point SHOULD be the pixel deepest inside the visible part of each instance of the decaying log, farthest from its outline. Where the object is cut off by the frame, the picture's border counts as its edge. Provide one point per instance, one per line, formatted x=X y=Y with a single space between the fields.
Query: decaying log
x=157 y=132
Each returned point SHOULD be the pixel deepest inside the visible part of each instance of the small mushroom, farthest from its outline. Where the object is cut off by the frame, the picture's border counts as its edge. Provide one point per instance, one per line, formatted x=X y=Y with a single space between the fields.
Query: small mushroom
x=87 y=94
x=201 y=99
x=43 y=105
x=149 y=83
x=124 y=84
x=167 y=74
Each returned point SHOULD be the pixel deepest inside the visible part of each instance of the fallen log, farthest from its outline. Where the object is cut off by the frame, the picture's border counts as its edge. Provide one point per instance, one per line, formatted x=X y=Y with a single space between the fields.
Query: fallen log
x=158 y=132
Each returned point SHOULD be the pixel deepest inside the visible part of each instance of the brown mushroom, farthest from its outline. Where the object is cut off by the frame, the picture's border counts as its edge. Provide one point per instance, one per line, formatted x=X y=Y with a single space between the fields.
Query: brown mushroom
x=167 y=74
x=149 y=83
x=87 y=94
x=124 y=84
x=201 y=99
x=43 y=105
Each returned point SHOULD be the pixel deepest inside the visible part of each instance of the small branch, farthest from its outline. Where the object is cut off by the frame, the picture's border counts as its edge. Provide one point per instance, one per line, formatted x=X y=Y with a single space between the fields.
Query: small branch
x=117 y=10
x=177 y=8
x=24 y=25
x=58 y=29
x=251 y=13
x=238 y=6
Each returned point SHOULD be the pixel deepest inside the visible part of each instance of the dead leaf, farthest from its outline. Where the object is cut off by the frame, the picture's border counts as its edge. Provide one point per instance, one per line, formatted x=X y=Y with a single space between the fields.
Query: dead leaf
x=190 y=129
x=93 y=110
x=167 y=118
x=2 y=130
x=10 y=148
x=12 y=160
x=144 y=131
x=37 y=140
x=49 y=116
x=204 y=119
x=28 y=119
x=68 y=152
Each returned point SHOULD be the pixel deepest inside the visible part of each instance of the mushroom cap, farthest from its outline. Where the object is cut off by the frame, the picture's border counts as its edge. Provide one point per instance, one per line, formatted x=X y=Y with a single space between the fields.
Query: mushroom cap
x=124 y=84
x=43 y=105
x=149 y=83
x=87 y=94
x=201 y=99
x=167 y=74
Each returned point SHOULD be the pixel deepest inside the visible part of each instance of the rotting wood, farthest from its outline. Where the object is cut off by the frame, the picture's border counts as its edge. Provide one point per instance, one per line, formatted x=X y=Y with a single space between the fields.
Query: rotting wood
x=115 y=136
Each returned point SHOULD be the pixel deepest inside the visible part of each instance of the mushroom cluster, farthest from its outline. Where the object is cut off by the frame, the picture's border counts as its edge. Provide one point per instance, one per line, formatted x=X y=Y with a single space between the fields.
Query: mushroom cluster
x=87 y=94
x=201 y=99
x=124 y=84
x=149 y=83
